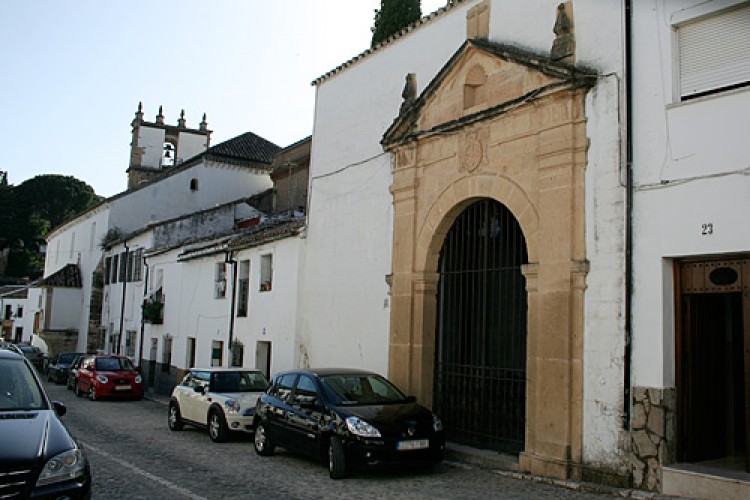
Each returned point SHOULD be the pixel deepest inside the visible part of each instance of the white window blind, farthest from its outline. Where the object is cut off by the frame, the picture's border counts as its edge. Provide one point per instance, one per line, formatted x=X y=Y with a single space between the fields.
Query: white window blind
x=714 y=52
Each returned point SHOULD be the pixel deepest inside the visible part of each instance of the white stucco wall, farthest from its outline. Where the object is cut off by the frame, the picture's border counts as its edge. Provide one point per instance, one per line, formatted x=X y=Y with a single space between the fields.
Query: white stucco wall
x=344 y=310
x=77 y=242
x=113 y=307
x=64 y=308
x=691 y=168
x=192 y=310
x=172 y=197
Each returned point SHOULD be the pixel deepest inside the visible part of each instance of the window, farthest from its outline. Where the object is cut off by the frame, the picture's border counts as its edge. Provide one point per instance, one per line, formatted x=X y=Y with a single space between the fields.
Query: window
x=115 y=262
x=191 y=352
x=282 y=387
x=19 y=312
x=8 y=311
x=714 y=53
x=123 y=267
x=266 y=272
x=244 y=288
x=166 y=355
x=19 y=334
x=306 y=392
x=130 y=343
x=217 y=353
x=107 y=270
x=137 y=265
x=193 y=184
x=220 y=280
x=238 y=353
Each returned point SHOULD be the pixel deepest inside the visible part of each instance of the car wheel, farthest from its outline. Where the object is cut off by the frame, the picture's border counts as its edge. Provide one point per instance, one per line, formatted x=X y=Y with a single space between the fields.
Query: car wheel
x=262 y=441
x=68 y=385
x=336 y=459
x=77 y=389
x=92 y=393
x=217 y=427
x=174 y=420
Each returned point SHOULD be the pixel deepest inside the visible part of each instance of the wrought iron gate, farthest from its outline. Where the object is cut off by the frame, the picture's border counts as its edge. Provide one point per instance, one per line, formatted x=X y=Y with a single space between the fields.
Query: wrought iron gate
x=480 y=355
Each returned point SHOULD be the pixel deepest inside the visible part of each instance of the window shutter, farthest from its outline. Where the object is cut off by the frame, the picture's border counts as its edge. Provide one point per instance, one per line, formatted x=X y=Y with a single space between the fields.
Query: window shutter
x=714 y=52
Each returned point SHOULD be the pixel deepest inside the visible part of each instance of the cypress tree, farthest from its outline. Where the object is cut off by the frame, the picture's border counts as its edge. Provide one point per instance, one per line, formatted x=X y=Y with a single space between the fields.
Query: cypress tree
x=392 y=16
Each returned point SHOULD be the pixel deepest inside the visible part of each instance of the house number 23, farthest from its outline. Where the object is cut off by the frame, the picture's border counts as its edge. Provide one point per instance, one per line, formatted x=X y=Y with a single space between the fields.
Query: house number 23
x=707 y=229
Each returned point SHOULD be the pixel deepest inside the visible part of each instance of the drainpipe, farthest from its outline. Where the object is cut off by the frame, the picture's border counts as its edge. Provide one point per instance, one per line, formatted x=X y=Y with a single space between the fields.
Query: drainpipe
x=124 y=288
x=628 y=214
x=143 y=323
x=229 y=259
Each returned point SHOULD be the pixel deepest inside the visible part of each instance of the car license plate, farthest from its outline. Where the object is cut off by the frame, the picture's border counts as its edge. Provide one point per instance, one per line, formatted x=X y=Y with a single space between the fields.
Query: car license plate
x=416 y=444
x=123 y=387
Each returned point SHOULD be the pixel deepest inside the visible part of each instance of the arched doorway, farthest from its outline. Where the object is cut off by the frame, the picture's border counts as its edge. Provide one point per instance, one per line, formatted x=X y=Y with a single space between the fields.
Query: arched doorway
x=481 y=329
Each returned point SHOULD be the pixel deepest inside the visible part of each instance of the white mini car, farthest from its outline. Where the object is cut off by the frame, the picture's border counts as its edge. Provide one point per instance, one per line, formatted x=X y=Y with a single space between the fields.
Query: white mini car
x=220 y=399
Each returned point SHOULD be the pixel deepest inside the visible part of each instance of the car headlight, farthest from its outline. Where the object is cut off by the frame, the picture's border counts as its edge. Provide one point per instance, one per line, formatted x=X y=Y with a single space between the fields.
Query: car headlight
x=63 y=467
x=138 y=379
x=437 y=424
x=102 y=379
x=359 y=427
x=232 y=406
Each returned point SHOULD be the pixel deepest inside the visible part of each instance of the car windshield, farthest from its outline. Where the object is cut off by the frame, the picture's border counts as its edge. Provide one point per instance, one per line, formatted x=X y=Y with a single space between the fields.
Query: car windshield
x=238 y=382
x=66 y=357
x=361 y=389
x=114 y=364
x=26 y=349
x=18 y=387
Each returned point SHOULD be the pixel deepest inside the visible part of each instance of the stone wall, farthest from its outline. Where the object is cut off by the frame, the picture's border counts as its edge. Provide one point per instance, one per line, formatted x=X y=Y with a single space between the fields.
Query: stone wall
x=653 y=435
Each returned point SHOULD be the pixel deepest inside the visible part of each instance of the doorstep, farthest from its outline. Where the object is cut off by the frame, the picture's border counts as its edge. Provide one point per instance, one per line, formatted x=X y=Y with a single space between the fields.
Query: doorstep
x=717 y=479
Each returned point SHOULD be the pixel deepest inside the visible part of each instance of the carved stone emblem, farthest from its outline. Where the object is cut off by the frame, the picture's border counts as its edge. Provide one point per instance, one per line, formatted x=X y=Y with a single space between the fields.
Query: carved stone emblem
x=473 y=152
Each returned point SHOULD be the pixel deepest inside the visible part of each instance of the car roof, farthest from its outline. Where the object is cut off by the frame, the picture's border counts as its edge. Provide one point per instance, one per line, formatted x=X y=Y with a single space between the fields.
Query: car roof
x=7 y=353
x=331 y=371
x=217 y=369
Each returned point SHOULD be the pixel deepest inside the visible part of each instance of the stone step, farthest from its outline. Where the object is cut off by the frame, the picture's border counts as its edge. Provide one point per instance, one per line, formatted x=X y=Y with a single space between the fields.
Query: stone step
x=694 y=481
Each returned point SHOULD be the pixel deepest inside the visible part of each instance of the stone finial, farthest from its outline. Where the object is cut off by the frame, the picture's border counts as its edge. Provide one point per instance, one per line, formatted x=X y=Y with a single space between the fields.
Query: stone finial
x=181 y=122
x=138 y=115
x=160 y=117
x=563 y=46
x=410 y=91
x=204 y=124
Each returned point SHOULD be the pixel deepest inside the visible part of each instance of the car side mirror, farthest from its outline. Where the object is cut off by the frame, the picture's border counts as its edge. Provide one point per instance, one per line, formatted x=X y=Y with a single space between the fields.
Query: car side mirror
x=59 y=408
x=200 y=389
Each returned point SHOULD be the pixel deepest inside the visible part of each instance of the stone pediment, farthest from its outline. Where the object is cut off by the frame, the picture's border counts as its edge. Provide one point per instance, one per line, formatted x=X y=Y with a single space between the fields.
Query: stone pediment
x=481 y=80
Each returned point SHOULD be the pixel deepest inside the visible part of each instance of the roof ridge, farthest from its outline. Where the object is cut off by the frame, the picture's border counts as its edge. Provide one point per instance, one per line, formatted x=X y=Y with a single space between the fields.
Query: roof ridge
x=380 y=45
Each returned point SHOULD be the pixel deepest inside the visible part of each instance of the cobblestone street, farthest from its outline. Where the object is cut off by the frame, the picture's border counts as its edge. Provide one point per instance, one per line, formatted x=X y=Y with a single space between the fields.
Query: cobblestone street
x=133 y=455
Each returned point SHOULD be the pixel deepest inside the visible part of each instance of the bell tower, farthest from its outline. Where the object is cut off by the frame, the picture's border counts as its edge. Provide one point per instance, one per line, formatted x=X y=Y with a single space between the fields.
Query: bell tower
x=157 y=147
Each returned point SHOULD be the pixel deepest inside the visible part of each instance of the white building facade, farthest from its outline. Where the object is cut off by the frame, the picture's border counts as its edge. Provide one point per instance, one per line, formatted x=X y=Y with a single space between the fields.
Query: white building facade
x=691 y=243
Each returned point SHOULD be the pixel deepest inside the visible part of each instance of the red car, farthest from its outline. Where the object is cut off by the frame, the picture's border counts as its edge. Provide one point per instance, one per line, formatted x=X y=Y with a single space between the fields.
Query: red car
x=109 y=376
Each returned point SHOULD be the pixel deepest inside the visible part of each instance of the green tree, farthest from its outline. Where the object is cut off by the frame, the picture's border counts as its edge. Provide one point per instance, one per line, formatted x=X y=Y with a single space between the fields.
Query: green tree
x=392 y=16
x=37 y=206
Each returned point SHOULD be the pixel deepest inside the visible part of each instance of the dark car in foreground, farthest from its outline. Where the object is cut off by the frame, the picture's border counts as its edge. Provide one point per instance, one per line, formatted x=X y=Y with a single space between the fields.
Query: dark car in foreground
x=108 y=376
x=38 y=457
x=347 y=418
x=59 y=365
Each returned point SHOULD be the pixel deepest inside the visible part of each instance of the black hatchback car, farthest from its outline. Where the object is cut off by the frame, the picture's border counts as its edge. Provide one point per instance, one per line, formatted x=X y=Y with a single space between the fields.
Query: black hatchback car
x=38 y=457
x=349 y=418
x=59 y=366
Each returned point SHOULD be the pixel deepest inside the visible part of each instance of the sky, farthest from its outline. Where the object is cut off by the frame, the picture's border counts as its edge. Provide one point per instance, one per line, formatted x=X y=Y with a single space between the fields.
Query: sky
x=74 y=71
